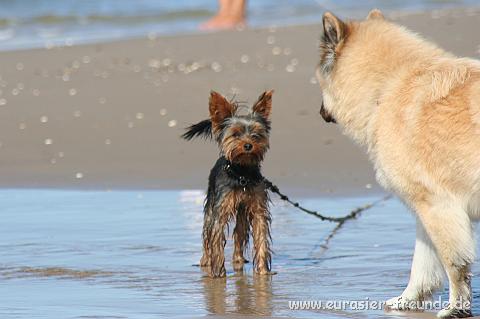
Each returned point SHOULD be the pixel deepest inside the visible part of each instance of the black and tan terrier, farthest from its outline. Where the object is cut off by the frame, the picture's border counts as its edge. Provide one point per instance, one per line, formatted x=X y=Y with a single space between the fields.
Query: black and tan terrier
x=236 y=188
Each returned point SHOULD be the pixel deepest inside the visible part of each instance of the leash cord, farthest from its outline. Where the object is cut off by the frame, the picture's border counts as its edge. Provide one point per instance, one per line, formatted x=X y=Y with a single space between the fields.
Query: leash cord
x=340 y=220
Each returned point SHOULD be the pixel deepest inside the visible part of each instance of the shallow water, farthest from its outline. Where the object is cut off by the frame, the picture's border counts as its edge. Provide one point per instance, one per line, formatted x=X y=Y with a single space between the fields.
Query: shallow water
x=131 y=254
x=38 y=23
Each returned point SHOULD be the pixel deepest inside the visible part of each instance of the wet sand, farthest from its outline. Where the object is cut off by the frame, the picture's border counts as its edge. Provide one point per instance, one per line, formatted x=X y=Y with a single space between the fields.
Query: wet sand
x=132 y=254
x=109 y=115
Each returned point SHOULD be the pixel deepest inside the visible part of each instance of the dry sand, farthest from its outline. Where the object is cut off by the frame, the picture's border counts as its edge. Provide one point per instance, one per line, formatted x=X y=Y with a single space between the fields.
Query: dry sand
x=93 y=116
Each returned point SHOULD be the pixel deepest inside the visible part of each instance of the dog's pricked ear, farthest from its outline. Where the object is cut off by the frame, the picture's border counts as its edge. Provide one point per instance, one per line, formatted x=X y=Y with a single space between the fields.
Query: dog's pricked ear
x=375 y=14
x=335 y=32
x=220 y=109
x=334 y=29
x=263 y=106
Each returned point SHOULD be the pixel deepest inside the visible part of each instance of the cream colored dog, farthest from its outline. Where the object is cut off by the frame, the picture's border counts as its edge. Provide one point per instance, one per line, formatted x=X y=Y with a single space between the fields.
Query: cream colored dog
x=416 y=108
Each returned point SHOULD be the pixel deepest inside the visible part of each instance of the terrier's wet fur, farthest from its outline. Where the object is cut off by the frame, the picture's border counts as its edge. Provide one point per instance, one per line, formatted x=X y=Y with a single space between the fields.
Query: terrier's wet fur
x=236 y=188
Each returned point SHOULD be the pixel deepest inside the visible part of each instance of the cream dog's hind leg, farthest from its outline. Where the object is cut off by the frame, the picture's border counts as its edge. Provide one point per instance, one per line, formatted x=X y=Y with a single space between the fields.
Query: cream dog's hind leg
x=450 y=230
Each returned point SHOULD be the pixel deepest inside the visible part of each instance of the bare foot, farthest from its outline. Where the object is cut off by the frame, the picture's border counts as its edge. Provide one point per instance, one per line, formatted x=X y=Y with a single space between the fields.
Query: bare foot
x=223 y=22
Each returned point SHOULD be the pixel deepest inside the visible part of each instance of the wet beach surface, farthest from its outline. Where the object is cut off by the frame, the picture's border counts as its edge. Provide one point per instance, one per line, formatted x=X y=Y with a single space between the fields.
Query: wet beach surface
x=132 y=254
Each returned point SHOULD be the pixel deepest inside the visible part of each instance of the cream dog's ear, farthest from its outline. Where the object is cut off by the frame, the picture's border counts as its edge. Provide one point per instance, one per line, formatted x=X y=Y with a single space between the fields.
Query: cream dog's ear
x=334 y=29
x=375 y=14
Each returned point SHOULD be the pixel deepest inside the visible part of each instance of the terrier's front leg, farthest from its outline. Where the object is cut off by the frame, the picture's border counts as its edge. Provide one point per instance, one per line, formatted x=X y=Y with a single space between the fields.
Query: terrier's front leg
x=240 y=238
x=216 y=249
x=260 y=221
x=223 y=211
x=208 y=224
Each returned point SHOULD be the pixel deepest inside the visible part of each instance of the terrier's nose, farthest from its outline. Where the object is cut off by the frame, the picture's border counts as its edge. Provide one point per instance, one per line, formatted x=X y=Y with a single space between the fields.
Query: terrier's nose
x=248 y=147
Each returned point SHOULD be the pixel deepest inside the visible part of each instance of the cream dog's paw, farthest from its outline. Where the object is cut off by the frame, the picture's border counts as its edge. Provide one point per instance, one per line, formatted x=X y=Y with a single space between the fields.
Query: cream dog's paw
x=403 y=303
x=452 y=312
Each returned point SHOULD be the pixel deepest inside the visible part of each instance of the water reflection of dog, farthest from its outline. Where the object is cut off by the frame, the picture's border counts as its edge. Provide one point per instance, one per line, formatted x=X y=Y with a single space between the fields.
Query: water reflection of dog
x=241 y=294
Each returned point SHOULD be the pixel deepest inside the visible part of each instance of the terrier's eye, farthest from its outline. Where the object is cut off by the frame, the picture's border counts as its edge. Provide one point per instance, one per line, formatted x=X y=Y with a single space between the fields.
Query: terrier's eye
x=255 y=136
x=236 y=134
